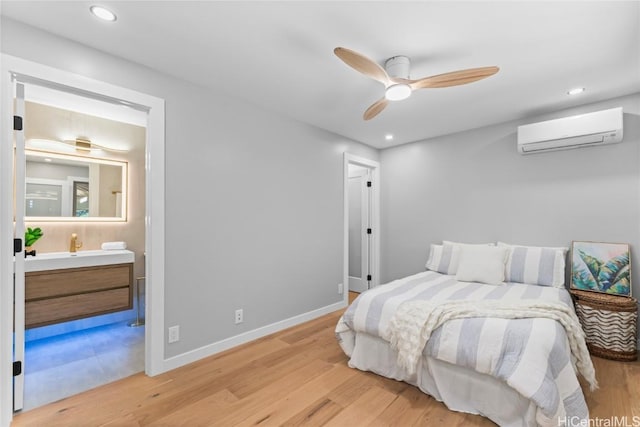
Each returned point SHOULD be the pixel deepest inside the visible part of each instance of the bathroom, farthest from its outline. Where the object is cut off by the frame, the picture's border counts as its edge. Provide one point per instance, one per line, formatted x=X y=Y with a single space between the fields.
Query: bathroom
x=68 y=357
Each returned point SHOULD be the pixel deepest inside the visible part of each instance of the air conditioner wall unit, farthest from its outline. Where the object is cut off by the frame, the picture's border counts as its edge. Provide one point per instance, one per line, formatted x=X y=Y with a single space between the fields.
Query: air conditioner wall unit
x=584 y=130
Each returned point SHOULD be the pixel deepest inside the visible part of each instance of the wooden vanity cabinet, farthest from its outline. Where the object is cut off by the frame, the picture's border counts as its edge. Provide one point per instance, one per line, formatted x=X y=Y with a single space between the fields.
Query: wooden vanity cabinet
x=55 y=296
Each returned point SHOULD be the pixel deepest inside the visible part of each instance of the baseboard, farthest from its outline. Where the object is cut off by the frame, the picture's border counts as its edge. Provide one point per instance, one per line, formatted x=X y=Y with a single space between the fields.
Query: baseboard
x=217 y=347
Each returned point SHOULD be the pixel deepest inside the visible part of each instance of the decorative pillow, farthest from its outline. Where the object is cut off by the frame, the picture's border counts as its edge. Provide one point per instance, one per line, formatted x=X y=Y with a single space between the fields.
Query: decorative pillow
x=535 y=265
x=484 y=264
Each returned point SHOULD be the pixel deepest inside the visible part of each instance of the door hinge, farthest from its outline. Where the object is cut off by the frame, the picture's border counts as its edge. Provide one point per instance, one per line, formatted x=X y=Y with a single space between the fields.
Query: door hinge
x=17 y=246
x=368 y=277
x=368 y=183
x=369 y=231
x=17 y=123
x=17 y=368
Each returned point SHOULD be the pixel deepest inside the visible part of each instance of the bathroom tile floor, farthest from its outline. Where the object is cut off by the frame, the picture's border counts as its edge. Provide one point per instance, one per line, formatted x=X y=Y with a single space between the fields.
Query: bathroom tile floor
x=68 y=364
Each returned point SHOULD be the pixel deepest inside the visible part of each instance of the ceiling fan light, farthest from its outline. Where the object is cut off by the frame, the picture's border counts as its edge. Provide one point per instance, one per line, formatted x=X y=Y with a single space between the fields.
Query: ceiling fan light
x=397 y=92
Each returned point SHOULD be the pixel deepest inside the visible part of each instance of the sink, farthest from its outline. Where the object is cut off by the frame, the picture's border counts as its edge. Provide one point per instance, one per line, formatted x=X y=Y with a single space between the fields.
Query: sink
x=60 y=260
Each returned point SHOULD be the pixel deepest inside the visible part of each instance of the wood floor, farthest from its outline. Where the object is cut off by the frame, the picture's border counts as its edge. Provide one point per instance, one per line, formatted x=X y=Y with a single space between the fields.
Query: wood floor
x=295 y=377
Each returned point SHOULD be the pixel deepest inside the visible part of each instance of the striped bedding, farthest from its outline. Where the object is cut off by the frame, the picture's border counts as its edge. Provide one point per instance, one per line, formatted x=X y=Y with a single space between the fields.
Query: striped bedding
x=531 y=355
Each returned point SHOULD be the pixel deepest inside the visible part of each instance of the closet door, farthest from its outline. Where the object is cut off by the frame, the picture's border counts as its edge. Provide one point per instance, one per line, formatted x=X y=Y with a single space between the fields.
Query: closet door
x=359 y=226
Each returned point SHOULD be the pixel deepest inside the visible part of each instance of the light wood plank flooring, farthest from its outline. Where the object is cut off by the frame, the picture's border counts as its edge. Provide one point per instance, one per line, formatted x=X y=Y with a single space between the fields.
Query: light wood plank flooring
x=295 y=377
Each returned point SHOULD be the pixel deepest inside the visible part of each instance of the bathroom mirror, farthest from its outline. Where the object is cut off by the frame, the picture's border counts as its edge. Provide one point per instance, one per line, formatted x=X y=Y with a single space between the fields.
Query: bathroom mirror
x=65 y=187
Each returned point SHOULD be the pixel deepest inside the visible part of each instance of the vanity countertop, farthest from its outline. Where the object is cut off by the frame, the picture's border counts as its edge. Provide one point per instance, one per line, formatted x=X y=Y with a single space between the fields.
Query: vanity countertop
x=61 y=260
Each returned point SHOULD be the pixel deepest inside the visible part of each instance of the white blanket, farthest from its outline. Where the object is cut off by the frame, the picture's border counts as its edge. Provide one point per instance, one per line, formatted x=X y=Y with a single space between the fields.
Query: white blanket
x=414 y=321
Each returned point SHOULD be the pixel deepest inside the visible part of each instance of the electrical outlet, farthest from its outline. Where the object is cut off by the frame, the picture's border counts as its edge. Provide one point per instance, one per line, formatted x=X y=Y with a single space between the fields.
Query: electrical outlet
x=340 y=288
x=239 y=316
x=174 y=334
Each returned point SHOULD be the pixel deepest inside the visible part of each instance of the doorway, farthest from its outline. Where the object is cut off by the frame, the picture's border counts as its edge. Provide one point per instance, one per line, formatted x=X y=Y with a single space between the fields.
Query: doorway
x=361 y=223
x=16 y=70
x=95 y=152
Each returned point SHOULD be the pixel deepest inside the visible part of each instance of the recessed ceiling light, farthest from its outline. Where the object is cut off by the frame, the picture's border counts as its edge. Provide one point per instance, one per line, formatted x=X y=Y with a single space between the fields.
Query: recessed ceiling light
x=388 y=137
x=103 y=13
x=575 y=91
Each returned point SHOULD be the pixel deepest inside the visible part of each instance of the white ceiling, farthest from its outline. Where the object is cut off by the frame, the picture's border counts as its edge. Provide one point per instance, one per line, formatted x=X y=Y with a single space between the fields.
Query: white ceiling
x=279 y=55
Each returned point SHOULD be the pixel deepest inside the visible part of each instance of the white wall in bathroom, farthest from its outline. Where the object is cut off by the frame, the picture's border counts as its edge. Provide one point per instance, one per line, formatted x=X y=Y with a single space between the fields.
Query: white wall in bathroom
x=253 y=200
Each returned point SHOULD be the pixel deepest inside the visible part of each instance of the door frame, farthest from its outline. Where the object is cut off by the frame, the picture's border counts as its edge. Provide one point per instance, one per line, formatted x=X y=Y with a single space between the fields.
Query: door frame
x=374 y=167
x=154 y=196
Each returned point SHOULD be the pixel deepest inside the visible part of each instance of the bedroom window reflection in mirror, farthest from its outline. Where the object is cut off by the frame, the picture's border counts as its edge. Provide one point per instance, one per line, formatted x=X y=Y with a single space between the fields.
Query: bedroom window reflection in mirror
x=65 y=187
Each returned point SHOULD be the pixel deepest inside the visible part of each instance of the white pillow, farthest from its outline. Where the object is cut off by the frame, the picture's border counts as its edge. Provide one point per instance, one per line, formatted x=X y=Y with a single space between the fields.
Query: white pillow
x=484 y=264
x=450 y=257
x=435 y=255
x=535 y=265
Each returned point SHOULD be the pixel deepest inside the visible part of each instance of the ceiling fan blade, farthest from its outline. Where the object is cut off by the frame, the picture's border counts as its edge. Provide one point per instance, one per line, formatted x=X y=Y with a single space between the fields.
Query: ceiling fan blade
x=362 y=64
x=454 y=78
x=375 y=109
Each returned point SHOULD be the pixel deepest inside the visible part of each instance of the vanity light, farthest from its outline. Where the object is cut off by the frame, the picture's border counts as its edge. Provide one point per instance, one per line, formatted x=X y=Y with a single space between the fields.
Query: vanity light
x=397 y=92
x=80 y=144
x=103 y=13
x=575 y=91
x=83 y=144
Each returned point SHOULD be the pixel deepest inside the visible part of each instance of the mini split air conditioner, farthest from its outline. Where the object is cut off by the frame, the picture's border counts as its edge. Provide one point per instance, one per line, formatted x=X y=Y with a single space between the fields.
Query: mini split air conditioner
x=584 y=130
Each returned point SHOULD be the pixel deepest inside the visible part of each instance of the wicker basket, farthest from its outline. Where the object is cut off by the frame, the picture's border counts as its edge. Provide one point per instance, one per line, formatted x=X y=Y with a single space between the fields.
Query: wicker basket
x=609 y=323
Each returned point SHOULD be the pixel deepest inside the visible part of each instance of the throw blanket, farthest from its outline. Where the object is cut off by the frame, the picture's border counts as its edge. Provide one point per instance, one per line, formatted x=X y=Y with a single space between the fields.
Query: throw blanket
x=415 y=321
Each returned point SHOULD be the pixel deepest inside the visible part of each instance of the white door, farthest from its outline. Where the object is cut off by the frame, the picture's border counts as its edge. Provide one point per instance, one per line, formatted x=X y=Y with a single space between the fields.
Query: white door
x=18 y=264
x=359 y=228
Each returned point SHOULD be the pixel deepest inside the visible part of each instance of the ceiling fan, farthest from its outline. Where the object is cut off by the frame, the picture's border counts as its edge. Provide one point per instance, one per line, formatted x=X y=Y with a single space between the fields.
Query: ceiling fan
x=395 y=77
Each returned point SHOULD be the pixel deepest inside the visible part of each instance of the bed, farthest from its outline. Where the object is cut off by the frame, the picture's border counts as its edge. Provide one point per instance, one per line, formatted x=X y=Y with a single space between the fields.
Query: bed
x=505 y=349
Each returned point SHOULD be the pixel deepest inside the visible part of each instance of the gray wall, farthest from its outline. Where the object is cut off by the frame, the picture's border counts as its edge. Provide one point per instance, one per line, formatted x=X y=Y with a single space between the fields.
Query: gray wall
x=475 y=187
x=254 y=215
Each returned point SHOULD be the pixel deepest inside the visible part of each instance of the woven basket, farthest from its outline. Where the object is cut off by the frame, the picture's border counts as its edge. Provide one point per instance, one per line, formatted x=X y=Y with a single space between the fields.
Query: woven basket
x=609 y=323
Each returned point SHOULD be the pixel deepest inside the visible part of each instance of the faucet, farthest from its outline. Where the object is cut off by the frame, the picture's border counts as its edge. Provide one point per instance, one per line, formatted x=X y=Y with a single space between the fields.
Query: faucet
x=74 y=245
